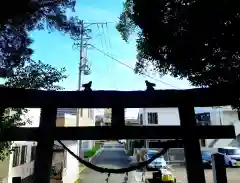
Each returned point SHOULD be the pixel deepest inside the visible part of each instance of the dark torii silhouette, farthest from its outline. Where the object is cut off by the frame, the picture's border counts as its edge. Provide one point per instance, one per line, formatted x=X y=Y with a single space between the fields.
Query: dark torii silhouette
x=150 y=86
x=87 y=86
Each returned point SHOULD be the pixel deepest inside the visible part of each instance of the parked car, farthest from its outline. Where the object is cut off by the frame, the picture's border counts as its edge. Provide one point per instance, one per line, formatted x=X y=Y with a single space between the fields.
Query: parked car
x=207 y=159
x=157 y=163
x=231 y=156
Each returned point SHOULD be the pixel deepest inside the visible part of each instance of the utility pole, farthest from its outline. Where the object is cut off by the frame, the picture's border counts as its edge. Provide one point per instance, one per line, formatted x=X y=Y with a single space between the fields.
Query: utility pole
x=80 y=83
x=83 y=64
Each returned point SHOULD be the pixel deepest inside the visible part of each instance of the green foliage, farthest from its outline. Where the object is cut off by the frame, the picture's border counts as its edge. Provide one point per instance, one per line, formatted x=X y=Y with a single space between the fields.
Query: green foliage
x=31 y=75
x=126 y=24
x=15 y=27
x=16 y=23
x=36 y=75
x=197 y=40
x=91 y=152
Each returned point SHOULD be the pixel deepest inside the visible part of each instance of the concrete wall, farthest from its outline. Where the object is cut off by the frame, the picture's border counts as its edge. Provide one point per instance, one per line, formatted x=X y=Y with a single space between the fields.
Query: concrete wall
x=4 y=168
x=166 y=116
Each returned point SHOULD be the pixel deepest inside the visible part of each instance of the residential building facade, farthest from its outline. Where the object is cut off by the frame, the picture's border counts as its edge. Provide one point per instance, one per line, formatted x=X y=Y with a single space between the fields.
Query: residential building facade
x=156 y=117
x=204 y=116
x=20 y=163
x=223 y=115
x=67 y=117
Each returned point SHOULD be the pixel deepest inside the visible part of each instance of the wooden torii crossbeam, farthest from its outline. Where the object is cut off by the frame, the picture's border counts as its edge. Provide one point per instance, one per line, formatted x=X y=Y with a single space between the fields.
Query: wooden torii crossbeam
x=185 y=100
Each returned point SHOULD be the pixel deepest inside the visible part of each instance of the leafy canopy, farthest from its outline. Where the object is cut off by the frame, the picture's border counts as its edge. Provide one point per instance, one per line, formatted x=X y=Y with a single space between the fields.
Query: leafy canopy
x=32 y=75
x=16 y=23
x=193 y=39
x=15 y=51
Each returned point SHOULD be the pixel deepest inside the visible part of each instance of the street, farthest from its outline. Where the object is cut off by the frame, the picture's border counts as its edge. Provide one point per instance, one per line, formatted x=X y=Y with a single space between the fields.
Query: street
x=108 y=158
x=117 y=158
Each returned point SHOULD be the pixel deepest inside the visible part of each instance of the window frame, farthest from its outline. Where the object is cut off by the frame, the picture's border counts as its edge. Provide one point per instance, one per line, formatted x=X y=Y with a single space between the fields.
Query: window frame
x=33 y=152
x=16 y=156
x=152 y=116
x=23 y=158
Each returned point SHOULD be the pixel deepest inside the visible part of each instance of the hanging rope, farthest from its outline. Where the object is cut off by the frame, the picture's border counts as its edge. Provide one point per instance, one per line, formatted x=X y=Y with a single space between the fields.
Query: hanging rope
x=114 y=171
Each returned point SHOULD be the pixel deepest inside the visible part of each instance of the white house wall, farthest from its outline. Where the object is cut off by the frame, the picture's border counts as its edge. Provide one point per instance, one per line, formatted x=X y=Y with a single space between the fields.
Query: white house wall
x=25 y=169
x=170 y=116
x=70 y=173
x=166 y=116
x=222 y=116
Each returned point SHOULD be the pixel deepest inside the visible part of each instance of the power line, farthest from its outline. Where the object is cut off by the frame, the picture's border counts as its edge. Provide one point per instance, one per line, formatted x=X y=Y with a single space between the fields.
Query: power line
x=128 y=66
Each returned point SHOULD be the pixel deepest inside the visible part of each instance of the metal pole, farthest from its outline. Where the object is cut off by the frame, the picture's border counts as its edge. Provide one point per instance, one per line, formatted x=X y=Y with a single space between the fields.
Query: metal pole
x=80 y=80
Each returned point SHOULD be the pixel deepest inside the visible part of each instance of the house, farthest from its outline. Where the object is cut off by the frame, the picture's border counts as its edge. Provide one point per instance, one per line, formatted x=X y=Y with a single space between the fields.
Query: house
x=131 y=122
x=107 y=117
x=204 y=116
x=99 y=120
x=67 y=117
x=21 y=162
x=156 y=117
x=223 y=115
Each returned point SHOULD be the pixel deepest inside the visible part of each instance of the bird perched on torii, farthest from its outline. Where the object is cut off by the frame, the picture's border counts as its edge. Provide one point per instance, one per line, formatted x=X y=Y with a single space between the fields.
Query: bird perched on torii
x=87 y=86
x=150 y=86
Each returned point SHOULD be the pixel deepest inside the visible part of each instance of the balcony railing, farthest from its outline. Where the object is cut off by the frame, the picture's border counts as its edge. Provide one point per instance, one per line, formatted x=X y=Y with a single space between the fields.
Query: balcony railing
x=185 y=100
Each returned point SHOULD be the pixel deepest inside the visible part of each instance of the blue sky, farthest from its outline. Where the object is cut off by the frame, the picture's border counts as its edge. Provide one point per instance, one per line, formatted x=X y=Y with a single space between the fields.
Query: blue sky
x=56 y=49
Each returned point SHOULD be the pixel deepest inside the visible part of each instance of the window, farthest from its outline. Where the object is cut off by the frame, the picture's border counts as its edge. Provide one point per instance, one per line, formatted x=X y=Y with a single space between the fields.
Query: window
x=23 y=154
x=16 y=155
x=152 y=118
x=203 y=118
x=33 y=152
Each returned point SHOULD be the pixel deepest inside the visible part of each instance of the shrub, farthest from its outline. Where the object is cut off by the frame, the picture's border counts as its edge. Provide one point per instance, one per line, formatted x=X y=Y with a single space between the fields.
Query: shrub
x=91 y=152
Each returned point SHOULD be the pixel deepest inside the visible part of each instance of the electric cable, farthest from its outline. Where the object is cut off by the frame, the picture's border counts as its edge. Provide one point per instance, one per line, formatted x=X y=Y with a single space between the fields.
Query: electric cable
x=128 y=66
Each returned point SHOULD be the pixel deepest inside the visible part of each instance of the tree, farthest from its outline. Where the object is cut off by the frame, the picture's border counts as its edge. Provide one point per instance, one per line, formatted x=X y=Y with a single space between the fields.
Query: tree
x=16 y=23
x=31 y=75
x=197 y=40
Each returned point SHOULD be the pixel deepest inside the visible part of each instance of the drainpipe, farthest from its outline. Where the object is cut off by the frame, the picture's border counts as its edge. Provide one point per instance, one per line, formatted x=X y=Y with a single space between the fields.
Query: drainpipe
x=220 y=118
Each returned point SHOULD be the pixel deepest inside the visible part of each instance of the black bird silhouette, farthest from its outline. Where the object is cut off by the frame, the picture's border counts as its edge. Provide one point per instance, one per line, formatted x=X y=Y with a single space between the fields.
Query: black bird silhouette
x=150 y=85
x=87 y=86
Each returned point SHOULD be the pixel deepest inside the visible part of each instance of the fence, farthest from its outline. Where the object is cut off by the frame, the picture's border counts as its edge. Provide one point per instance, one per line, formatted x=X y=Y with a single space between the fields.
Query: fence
x=175 y=156
x=185 y=100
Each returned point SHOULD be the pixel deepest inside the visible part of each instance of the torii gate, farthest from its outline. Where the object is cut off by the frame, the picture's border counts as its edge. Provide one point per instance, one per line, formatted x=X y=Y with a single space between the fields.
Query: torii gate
x=185 y=100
